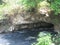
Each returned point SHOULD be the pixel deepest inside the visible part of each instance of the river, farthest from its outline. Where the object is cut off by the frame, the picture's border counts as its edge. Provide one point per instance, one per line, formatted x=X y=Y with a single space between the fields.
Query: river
x=24 y=37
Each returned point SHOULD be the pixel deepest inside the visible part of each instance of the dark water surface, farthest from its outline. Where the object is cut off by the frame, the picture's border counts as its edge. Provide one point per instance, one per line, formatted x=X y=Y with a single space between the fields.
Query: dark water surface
x=19 y=37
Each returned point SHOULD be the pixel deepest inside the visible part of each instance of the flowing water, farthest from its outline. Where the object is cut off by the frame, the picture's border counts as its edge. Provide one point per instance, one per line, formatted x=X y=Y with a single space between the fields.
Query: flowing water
x=24 y=37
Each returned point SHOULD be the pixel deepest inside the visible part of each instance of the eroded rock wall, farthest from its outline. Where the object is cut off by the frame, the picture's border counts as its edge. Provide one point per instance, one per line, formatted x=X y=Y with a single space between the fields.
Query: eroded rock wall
x=19 y=16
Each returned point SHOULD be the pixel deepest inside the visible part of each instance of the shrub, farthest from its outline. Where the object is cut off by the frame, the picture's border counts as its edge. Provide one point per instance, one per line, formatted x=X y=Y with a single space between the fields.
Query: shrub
x=44 y=39
x=27 y=4
x=55 y=5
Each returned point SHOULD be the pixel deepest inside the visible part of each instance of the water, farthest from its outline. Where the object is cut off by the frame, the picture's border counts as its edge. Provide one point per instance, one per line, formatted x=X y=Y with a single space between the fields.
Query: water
x=26 y=37
x=18 y=38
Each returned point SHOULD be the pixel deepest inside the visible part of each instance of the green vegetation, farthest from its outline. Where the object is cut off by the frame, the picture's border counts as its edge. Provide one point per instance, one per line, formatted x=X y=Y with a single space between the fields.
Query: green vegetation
x=55 y=5
x=3 y=8
x=27 y=3
x=43 y=4
x=44 y=39
x=7 y=5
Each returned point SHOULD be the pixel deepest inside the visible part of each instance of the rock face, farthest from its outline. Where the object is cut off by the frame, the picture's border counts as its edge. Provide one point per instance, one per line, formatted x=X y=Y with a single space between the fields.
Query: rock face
x=56 y=22
x=19 y=19
x=35 y=25
x=4 y=25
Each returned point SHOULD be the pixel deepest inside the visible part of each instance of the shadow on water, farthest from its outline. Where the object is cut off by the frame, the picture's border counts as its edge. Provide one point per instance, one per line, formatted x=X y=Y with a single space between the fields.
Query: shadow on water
x=23 y=37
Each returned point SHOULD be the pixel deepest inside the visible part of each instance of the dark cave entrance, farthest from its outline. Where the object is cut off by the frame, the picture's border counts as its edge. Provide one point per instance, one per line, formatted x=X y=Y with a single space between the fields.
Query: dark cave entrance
x=35 y=28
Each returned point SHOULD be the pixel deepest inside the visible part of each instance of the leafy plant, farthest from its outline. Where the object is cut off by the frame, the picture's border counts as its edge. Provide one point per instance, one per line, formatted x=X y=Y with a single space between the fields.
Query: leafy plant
x=55 y=5
x=43 y=4
x=44 y=39
x=27 y=4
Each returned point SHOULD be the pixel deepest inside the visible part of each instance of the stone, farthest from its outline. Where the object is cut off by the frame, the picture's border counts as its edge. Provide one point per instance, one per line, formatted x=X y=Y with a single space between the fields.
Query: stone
x=22 y=19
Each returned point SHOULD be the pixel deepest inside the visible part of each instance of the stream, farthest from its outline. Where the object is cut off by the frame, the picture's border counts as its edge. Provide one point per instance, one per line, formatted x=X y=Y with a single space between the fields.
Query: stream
x=23 y=37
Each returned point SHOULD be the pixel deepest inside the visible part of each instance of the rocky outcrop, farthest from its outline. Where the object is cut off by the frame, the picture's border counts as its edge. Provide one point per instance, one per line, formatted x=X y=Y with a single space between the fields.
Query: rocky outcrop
x=4 y=25
x=18 y=18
